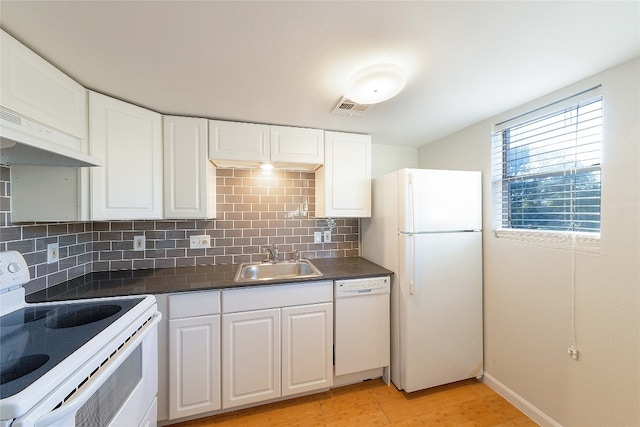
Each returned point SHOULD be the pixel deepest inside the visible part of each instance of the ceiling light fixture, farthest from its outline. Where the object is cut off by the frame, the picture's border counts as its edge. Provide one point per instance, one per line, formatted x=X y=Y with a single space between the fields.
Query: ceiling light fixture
x=376 y=83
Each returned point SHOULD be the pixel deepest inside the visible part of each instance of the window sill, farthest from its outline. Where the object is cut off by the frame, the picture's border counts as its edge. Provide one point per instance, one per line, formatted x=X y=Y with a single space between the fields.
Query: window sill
x=581 y=242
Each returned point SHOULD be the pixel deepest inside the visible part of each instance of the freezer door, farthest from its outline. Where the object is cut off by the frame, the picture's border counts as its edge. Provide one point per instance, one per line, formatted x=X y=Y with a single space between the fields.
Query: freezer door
x=440 y=312
x=437 y=200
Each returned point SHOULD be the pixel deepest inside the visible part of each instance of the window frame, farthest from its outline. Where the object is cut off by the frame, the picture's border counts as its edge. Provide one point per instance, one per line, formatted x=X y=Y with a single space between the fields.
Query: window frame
x=502 y=178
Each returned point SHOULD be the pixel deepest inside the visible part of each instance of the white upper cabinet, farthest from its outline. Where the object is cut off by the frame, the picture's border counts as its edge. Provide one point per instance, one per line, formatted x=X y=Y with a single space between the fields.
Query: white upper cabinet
x=128 y=140
x=242 y=142
x=296 y=145
x=36 y=89
x=189 y=176
x=343 y=183
x=233 y=144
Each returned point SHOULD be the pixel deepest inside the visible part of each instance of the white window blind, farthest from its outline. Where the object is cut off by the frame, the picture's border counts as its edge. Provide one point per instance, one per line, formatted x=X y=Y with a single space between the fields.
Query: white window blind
x=546 y=167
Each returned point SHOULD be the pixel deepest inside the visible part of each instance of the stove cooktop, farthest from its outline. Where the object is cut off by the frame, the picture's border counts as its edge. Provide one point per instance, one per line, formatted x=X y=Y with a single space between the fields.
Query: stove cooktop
x=35 y=338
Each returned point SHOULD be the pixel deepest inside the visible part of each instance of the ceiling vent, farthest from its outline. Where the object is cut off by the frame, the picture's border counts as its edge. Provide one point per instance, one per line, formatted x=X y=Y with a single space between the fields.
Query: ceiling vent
x=347 y=107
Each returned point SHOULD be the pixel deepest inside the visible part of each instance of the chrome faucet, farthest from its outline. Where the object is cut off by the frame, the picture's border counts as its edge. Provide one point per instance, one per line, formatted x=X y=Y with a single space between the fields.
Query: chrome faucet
x=273 y=255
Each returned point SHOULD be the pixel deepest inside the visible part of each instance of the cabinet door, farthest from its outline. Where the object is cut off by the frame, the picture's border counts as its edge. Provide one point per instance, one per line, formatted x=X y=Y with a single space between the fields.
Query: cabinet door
x=194 y=365
x=189 y=176
x=307 y=348
x=240 y=142
x=250 y=357
x=36 y=89
x=296 y=145
x=343 y=184
x=128 y=139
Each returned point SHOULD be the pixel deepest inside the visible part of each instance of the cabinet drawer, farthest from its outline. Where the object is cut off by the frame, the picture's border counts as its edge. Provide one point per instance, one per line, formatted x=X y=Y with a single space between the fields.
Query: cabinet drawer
x=264 y=297
x=193 y=304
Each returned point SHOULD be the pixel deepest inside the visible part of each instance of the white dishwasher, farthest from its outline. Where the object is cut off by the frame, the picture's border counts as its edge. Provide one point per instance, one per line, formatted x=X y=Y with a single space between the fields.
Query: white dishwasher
x=362 y=324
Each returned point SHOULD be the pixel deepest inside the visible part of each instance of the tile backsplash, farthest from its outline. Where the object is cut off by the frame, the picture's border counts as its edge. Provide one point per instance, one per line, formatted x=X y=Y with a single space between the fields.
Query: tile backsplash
x=254 y=210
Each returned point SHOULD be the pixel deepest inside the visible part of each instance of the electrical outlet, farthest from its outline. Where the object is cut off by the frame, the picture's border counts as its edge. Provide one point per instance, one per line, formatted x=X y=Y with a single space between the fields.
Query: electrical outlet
x=327 y=236
x=139 y=243
x=53 y=254
x=317 y=237
x=199 y=242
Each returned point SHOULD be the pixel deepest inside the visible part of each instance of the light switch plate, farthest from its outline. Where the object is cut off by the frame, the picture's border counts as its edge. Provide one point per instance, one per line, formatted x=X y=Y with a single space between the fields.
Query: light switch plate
x=327 y=236
x=317 y=237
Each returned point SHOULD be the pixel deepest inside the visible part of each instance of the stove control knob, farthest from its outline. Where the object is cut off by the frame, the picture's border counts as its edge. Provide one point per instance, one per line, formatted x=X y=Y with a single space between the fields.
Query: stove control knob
x=13 y=267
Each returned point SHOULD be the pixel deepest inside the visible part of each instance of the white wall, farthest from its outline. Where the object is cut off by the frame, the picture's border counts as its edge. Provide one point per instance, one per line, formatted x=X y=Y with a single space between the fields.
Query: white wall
x=527 y=289
x=390 y=158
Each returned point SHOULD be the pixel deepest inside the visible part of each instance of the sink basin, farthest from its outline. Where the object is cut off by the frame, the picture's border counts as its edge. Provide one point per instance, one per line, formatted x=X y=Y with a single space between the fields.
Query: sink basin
x=258 y=271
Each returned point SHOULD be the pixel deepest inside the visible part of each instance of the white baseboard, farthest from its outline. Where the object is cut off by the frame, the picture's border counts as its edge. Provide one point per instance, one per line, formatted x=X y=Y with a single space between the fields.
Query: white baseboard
x=512 y=397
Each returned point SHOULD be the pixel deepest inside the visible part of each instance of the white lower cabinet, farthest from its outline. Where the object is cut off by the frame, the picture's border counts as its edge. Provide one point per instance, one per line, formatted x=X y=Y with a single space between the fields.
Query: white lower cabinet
x=239 y=347
x=194 y=353
x=307 y=348
x=276 y=341
x=251 y=360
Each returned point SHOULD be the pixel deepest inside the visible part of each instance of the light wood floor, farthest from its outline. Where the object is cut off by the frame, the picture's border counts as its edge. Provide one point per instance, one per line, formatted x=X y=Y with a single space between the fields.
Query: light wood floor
x=373 y=403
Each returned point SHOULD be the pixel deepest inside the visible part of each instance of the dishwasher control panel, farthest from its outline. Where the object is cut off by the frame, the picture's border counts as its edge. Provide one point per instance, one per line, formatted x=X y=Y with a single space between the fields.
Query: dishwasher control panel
x=368 y=285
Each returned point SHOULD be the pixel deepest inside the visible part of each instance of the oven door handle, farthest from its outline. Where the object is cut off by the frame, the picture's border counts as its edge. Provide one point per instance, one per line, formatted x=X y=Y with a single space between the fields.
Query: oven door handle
x=86 y=392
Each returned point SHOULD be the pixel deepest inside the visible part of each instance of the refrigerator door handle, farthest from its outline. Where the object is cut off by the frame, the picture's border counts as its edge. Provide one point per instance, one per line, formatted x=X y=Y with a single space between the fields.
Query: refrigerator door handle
x=412 y=263
x=411 y=203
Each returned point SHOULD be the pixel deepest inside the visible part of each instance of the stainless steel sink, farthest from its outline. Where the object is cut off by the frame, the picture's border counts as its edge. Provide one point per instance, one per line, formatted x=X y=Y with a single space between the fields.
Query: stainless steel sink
x=260 y=271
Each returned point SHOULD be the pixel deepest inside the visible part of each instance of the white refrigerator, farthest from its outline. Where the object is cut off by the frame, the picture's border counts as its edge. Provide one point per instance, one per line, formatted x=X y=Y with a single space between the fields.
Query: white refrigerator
x=426 y=227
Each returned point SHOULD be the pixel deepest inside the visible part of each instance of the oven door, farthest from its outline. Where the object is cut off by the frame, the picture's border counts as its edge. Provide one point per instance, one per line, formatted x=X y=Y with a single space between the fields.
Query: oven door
x=117 y=387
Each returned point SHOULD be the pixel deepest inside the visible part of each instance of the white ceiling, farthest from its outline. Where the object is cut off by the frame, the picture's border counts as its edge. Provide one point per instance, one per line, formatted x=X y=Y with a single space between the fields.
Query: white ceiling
x=288 y=63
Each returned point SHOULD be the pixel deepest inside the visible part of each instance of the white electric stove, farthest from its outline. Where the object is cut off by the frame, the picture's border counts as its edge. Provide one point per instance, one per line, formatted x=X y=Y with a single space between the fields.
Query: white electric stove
x=89 y=362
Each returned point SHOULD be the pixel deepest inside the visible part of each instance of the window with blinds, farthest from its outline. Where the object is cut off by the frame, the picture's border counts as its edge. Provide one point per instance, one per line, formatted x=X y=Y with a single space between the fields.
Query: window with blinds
x=546 y=167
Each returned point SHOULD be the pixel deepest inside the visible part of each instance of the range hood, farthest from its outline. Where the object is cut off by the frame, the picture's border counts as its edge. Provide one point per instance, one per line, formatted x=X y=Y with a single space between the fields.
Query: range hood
x=26 y=142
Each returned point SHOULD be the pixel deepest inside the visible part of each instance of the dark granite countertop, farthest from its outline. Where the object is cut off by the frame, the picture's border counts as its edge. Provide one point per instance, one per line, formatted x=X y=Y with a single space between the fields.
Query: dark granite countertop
x=180 y=279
